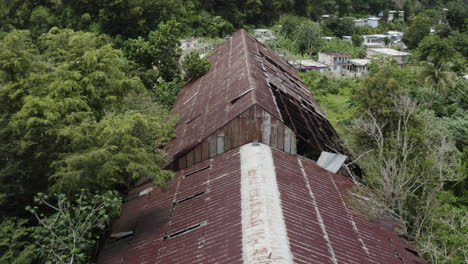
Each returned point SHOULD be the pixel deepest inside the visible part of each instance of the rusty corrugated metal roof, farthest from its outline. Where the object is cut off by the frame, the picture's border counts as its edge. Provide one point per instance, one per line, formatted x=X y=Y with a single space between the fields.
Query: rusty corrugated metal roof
x=242 y=74
x=252 y=204
x=212 y=211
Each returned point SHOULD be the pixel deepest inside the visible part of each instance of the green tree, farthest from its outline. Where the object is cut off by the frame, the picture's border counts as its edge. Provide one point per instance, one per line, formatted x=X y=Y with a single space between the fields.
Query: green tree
x=357 y=40
x=437 y=76
x=129 y=18
x=116 y=151
x=202 y=23
x=442 y=30
x=435 y=48
x=341 y=26
x=343 y=46
x=58 y=105
x=289 y=24
x=457 y=14
x=164 y=44
x=70 y=233
x=193 y=66
x=307 y=37
x=42 y=19
x=138 y=50
x=165 y=93
x=15 y=247
x=420 y=26
x=161 y=51
x=380 y=89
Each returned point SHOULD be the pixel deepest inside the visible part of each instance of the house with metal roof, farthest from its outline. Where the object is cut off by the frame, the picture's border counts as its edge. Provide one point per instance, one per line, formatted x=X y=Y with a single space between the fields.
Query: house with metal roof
x=359 y=66
x=307 y=65
x=399 y=57
x=259 y=177
x=338 y=62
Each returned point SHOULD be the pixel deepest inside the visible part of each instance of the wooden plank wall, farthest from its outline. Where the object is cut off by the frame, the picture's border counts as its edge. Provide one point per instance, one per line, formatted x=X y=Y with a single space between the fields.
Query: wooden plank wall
x=254 y=125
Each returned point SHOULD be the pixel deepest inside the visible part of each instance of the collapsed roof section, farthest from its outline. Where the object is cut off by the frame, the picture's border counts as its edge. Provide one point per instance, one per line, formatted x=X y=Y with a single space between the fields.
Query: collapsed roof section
x=253 y=204
x=245 y=73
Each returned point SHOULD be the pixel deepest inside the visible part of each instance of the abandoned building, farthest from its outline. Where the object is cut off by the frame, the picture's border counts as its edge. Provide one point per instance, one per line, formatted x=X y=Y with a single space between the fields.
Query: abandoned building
x=338 y=62
x=248 y=187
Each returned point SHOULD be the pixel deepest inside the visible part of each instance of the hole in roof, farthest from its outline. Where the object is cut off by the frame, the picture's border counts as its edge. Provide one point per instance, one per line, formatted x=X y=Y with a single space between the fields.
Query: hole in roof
x=183 y=231
x=191 y=197
x=233 y=101
x=193 y=119
x=308 y=143
x=121 y=235
x=197 y=171
x=412 y=251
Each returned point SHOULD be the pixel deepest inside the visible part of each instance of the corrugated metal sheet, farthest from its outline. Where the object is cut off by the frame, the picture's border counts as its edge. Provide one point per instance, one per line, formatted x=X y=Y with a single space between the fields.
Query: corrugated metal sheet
x=242 y=74
x=199 y=220
x=331 y=161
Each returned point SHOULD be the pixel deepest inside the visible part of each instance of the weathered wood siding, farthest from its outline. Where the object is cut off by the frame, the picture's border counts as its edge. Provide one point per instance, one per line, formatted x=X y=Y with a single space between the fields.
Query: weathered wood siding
x=255 y=124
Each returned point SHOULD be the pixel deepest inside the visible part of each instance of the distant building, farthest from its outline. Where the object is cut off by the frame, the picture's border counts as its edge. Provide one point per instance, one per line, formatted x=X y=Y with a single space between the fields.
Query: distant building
x=189 y=44
x=401 y=16
x=392 y=14
x=360 y=22
x=307 y=65
x=324 y=17
x=399 y=57
x=395 y=36
x=377 y=40
x=201 y=45
x=338 y=62
x=263 y=35
x=328 y=38
x=359 y=66
x=346 y=38
x=372 y=22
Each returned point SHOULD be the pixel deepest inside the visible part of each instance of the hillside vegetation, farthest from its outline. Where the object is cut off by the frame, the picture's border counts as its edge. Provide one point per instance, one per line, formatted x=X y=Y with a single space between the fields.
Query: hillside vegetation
x=86 y=85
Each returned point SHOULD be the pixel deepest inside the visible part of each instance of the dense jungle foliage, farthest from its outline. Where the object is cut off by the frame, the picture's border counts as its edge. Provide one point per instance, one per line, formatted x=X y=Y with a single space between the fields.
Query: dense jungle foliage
x=86 y=85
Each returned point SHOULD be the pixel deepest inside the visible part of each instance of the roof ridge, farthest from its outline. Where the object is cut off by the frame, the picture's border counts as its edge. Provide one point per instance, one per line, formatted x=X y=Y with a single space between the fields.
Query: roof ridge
x=248 y=63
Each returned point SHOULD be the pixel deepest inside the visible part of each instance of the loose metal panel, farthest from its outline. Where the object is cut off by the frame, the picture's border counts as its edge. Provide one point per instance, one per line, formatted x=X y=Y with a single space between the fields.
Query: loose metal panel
x=183 y=162
x=251 y=125
x=213 y=147
x=287 y=140
x=244 y=131
x=266 y=127
x=258 y=125
x=280 y=136
x=205 y=149
x=228 y=137
x=197 y=154
x=274 y=132
x=236 y=132
x=220 y=141
x=190 y=160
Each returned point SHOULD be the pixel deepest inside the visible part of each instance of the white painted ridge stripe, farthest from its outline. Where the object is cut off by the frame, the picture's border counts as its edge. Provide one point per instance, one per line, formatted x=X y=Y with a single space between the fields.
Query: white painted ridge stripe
x=264 y=236
x=319 y=216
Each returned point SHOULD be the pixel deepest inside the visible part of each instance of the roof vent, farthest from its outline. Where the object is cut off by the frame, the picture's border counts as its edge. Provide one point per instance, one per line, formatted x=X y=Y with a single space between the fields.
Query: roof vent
x=188 y=229
x=197 y=171
x=331 y=161
x=121 y=235
x=145 y=191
